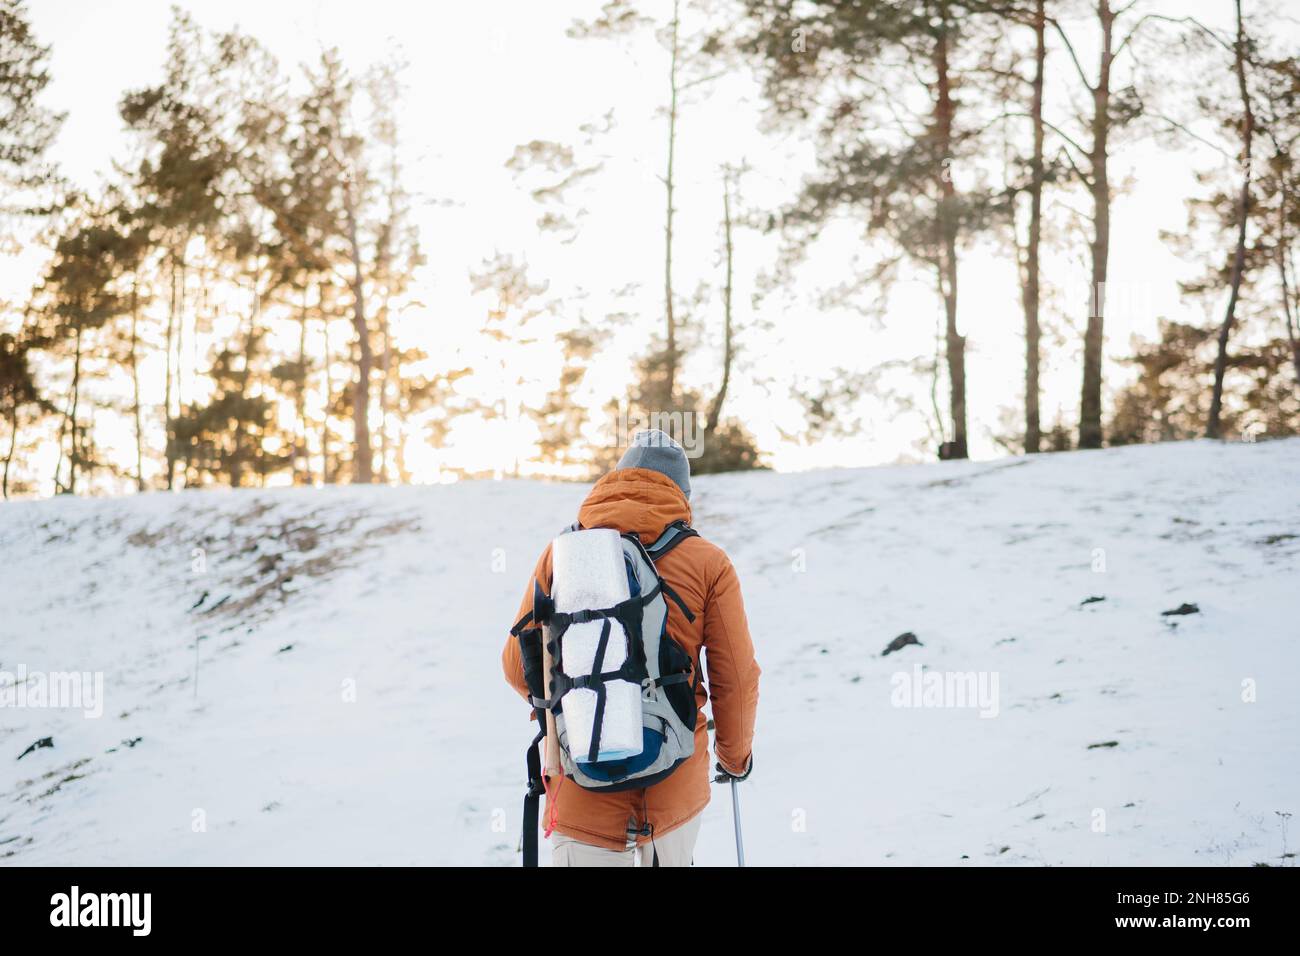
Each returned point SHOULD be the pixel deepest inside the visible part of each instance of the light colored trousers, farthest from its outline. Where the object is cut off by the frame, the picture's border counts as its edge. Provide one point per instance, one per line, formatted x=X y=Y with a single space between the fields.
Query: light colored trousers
x=675 y=848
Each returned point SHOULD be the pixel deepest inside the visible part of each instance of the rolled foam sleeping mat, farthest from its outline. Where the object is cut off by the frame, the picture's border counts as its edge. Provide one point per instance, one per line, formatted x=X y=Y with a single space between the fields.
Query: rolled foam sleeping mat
x=589 y=573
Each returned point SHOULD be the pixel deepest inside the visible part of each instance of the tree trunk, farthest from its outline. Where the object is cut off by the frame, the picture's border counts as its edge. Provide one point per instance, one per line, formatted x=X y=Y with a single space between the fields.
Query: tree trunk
x=180 y=335
x=1288 y=302
x=362 y=462
x=1033 y=332
x=670 y=359
x=384 y=273
x=385 y=381
x=1291 y=335
x=135 y=383
x=399 y=456
x=13 y=418
x=935 y=376
x=13 y=444
x=167 y=388
x=715 y=409
x=74 y=452
x=241 y=437
x=947 y=227
x=328 y=387
x=1213 y=427
x=302 y=463
x=86 y=448
x=1090 y=430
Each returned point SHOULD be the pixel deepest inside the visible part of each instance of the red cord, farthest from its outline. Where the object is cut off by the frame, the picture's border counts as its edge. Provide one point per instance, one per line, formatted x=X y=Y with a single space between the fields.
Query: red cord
x=552 y=805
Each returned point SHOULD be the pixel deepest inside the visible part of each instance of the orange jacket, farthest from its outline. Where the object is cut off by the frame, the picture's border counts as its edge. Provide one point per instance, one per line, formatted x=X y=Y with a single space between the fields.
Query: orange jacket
x=645 y=502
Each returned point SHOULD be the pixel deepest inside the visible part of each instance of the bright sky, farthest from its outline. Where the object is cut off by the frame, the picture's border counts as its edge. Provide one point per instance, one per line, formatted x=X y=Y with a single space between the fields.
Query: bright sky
x=487 y=76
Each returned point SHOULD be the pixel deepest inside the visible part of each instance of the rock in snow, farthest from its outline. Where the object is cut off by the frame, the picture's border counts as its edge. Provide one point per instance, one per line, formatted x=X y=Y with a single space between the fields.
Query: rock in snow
x=900 y=642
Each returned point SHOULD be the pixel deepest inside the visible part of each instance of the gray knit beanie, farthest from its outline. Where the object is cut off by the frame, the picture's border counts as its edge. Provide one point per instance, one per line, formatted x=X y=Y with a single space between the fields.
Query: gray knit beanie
x=657 y=451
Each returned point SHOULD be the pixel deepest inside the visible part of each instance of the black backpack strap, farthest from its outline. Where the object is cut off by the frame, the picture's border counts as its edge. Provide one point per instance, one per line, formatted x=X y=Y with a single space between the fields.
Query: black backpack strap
x=599 y=686
x=677 y=599
x=624 y=611
x=529 y=632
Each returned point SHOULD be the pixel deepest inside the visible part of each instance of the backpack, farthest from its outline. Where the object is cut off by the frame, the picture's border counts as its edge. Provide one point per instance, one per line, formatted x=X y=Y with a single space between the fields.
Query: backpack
x=666 y=673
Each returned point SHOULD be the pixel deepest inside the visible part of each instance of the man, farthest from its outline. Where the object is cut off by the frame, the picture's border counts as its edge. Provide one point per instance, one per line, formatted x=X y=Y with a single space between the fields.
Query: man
x=650 y=489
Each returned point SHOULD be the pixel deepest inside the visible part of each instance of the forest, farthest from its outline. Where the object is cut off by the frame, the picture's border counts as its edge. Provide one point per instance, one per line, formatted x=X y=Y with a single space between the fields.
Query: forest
x=238 y=300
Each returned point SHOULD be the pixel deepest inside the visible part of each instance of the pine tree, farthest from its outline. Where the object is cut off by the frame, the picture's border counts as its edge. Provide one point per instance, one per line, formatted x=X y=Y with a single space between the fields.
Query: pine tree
x=224 y=437
x=1240 y=230
x=840 y=70
x=29 y=186
x=19 y=394
x=26 y=127
x=397 y=250
x=690 y=52
x=179 y=181
x=1112 y=107
x=81 y=296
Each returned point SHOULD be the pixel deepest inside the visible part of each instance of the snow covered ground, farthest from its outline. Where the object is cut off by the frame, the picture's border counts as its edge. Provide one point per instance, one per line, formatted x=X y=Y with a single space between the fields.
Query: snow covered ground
x=312 y=676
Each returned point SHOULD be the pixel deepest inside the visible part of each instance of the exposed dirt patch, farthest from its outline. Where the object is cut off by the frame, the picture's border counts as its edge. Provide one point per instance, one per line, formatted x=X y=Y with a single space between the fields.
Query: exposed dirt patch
x=256 y=558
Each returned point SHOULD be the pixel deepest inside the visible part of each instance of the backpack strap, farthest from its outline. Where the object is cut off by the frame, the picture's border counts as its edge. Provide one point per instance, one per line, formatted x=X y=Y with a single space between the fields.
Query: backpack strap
x=671 y=537
x=594 y=750
x=677 y=599
x=527 y=630
x=532 y=797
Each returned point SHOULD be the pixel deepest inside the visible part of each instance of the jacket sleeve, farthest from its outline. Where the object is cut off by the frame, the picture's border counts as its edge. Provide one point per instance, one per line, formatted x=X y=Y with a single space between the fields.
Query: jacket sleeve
x=511 y=662
x=732 y=670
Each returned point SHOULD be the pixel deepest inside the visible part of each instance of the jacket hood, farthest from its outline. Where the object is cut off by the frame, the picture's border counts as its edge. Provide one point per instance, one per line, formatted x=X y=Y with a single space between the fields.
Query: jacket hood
x=635 y=500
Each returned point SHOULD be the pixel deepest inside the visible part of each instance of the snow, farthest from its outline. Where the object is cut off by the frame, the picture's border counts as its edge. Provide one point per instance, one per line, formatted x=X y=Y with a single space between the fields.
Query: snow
x=345 y=702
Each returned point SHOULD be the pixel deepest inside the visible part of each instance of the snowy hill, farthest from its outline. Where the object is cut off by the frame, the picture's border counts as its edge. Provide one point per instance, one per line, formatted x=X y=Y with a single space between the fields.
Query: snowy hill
x=320 y=683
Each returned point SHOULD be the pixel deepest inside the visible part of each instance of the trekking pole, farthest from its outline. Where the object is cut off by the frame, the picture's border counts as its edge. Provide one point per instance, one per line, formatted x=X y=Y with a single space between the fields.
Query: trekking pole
x=735 y=815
